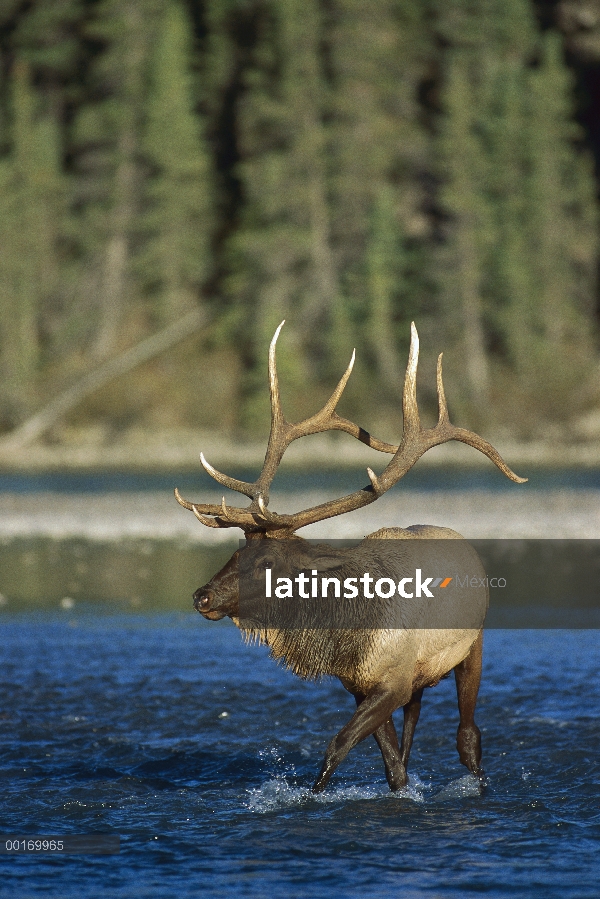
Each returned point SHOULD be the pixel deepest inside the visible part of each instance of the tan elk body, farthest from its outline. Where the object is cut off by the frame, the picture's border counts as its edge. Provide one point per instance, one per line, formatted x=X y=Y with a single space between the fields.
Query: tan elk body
x=383 y=667
x=421 y=654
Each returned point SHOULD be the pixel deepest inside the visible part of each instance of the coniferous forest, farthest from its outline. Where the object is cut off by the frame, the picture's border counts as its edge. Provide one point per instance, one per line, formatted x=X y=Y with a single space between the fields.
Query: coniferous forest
x=346 y=165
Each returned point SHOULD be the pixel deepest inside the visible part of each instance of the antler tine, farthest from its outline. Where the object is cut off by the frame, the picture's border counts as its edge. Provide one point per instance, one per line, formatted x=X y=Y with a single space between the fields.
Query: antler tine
x=451 y=432
x=280 y=435
x=410 y=409
x=478 y=443
x=326 y=418
x=264 y=512
x=205 y=519
x=216 y=516
x=448 y=431
x=225 y=481
x=334 y=399
x=442 y=405
x=183 y=502
x=377 y=488
x=257 y=488
x=276 y=410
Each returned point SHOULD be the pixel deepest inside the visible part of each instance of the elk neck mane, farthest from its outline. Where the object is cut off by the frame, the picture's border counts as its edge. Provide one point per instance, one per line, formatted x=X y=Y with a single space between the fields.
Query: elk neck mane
x=311 y=653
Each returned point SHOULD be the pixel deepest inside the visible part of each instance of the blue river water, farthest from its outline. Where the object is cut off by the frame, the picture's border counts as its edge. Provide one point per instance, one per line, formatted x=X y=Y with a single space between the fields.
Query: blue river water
x=290 y=480
x=199 y=751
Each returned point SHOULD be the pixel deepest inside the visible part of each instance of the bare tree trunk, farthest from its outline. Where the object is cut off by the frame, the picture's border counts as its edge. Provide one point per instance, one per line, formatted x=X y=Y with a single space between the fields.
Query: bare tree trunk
x=39 y=423
x=476 y=363
x=324 y=272
x=124 y=188
x=112 y=292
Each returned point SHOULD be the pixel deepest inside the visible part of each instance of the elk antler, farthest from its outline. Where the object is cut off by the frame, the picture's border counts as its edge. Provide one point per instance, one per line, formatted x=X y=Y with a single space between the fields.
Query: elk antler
x=256 y=516
x=415 y=441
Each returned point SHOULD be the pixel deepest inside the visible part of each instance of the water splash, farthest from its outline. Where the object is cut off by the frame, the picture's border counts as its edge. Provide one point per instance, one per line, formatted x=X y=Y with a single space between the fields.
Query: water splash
x=462 y=788
x=415 y=789
x=278 y=793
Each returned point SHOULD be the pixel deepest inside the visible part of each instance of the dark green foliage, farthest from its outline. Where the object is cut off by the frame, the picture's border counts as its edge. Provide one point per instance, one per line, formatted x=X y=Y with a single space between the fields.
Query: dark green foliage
x=280 y=257
x=175 y=261
x=32 y=210
x=517 y=267
x=342 y=164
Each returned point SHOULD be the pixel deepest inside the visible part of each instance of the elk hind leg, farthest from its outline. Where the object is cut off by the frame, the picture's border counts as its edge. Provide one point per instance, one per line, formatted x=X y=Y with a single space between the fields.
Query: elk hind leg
x=374 y=710
x=468 y=738
x=412 y=710
x=387 y=740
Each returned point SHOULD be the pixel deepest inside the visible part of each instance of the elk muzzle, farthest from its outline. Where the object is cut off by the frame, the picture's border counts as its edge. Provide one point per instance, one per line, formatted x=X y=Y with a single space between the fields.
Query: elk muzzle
x=205 y=602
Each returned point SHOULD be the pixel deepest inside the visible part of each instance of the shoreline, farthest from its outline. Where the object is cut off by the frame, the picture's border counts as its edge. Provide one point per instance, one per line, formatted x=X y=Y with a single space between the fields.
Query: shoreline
x=146 y=453
x=155 y=516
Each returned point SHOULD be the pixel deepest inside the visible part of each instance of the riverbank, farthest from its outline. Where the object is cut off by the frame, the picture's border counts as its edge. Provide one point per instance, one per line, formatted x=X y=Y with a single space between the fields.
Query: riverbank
x=514 y=513
x=179 y=450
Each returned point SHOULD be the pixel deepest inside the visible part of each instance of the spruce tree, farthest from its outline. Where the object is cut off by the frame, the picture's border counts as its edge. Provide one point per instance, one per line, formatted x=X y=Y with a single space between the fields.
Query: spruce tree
x=521 y=235
x=48 y=37
x=32 y=197
x=385 y=284
x=108 y=136
x=316 y=150
x=563 y=242
x=280 y=258
x=377 y=55
x=177 y=258
x=560 y=201
x=463 y=169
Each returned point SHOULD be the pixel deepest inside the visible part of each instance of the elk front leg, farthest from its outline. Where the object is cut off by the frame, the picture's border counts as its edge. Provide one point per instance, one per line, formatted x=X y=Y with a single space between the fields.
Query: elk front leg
x=412 y=710
x=387 y=740
x=468 y=738
x=372 y=713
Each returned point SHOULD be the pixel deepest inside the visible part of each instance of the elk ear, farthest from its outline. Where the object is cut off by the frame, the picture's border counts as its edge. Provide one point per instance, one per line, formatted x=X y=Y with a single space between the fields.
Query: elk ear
x=325 y=558
x=305 y=555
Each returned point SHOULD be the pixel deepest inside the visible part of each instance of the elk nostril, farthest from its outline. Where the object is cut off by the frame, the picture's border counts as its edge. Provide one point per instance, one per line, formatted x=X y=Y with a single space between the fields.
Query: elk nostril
x=202 y=599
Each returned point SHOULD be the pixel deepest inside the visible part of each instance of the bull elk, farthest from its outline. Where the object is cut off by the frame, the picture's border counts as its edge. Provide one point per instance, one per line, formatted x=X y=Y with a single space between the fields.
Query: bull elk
x=384 y=668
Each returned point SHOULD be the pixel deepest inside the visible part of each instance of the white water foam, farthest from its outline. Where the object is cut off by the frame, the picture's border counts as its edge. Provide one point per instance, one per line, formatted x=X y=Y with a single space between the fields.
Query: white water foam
x=461 y=788
x=277 y=793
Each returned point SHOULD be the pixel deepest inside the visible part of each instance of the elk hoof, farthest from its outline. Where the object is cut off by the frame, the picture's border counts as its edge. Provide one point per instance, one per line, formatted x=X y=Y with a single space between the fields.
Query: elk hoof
x=399 y=782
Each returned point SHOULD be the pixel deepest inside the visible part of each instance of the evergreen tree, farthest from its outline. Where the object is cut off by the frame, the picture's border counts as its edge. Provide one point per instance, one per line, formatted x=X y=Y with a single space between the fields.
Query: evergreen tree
x=108 y=134
x=464 y=172
x=521 y=240
x=48 y=37
x=385 y=283
x=281 y=258
x=563 y=244
x=177 y=256
x=32 y=198
x=561 y=204
x=377 y=56
x=318 y=161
